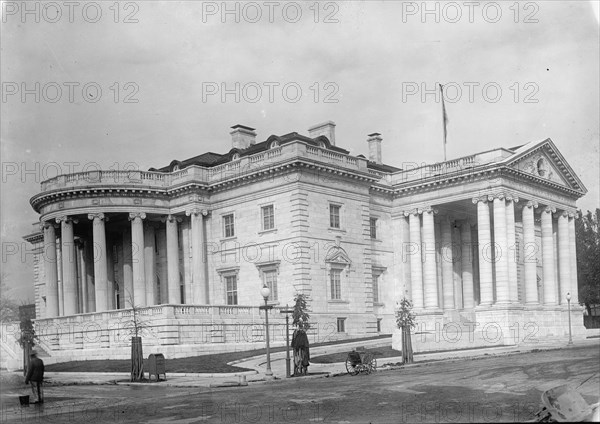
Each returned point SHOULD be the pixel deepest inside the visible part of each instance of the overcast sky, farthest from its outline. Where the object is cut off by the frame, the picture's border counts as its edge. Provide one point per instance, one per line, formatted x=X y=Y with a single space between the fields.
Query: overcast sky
x=533 y=68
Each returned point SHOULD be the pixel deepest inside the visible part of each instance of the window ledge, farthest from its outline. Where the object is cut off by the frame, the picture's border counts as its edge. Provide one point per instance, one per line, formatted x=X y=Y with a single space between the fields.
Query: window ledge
x=272 y=230
x=225 y=239
x=378 y=304
x=336 y=230
x=338 y=301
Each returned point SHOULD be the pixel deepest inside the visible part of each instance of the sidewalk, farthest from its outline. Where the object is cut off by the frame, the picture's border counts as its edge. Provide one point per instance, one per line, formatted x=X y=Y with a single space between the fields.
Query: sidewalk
x=278 y=365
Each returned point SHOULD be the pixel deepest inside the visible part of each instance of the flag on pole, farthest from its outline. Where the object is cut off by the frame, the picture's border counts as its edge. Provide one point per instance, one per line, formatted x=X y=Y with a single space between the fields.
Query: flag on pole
x=445 y=119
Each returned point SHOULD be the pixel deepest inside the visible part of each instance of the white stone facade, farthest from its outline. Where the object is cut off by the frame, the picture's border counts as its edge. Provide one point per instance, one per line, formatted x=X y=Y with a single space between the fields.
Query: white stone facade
x=483 y=239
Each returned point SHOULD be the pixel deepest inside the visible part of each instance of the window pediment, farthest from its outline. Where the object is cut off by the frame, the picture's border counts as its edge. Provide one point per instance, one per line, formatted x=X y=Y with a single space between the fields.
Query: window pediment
x=337 y=256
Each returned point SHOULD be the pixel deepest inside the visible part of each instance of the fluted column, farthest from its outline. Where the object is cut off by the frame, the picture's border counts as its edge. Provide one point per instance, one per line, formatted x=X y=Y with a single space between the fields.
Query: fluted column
x=137 y=258
x=100 y=261
x=530 y=249
x=564 y=257
x=430 y=266
x=549 y=277
x=199 y=283
x=467 y=265
x=59 y=268
x=50 y=269
x=406 y=244
x=82 y=289
x=173 y=260
x=416 y=261
x=511 y=240
x=126 y=289
x=447 y=264
x=486 y=289
x=149 y=271
x=69 y=265
x=501 y=249
x=573 y=257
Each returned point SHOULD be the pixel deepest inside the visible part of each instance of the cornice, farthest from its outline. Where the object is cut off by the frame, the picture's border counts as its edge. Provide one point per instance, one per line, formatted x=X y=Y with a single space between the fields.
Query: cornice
x=168 y=193
x=435 y=182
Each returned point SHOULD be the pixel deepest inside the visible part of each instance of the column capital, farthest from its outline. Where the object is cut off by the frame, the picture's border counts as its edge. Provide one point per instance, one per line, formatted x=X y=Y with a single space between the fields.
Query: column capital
x=99 y=215
x=549 y=209
x=196 y=211
x=134 y=215
x=483 y=199
x=171 y=218
x=66 y=219
x=531 y=204
x=411 y=212
x=563 y=213
x=512 y=198
x=428 y=209
x=46 y=224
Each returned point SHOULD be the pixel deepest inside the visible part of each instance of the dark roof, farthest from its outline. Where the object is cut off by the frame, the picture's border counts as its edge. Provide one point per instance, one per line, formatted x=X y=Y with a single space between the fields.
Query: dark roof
x=211 y=159
x=382 y=167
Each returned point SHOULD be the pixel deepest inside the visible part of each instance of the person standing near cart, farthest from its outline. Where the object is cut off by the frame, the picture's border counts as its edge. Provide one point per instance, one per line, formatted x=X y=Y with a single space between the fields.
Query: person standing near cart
x=35 y=376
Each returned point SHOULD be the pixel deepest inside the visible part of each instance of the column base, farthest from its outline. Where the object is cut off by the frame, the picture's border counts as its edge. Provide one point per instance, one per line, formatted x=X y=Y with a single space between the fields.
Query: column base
x=508 y=306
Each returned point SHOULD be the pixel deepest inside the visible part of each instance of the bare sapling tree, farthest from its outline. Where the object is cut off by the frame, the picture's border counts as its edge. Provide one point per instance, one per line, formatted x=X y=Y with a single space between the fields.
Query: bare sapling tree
x=136 y=325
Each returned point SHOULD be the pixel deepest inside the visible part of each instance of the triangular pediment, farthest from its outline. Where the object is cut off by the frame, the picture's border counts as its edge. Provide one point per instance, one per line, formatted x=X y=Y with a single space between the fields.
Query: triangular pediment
x=337 y=255
x=542 y=160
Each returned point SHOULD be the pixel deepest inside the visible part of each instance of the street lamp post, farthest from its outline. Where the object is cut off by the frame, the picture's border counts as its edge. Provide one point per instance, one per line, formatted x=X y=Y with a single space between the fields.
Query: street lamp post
x=569 y=312
x=265 y=292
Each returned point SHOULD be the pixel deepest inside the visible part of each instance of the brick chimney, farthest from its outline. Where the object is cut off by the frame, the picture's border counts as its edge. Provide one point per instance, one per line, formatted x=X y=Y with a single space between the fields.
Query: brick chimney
x=374 y=141
x=242 y=137
x=326 y=128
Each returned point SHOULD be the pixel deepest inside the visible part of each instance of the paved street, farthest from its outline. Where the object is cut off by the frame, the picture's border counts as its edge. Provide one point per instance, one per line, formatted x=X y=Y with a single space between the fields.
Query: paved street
x=489 y=389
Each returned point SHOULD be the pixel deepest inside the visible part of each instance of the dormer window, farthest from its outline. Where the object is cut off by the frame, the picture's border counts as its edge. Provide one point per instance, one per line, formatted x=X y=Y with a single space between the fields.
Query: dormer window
x=273 y=144
x=235 y=156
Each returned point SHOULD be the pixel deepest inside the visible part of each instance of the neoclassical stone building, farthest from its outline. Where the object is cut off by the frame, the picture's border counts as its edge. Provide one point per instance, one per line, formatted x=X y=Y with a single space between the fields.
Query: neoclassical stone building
x=483 y=245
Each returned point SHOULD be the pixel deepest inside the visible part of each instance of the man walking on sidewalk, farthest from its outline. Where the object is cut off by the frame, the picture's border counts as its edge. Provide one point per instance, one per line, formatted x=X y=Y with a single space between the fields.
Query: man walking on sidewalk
x=35 y=376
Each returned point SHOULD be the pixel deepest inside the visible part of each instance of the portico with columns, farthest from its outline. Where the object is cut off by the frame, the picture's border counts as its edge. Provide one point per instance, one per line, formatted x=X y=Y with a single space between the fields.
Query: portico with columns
x=491 y=256
x=484 y=247
x=109 y=260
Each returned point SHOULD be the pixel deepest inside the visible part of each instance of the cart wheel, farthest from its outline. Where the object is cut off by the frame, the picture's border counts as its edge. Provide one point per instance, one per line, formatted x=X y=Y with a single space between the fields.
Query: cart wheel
x=352 y=370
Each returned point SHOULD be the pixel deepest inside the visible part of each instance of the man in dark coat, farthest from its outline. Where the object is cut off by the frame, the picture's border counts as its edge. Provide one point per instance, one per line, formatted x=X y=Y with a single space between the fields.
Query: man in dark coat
x=301 y=352
x=35 y=376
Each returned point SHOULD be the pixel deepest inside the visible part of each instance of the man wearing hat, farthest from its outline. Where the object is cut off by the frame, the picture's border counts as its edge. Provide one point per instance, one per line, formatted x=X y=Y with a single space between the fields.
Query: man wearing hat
x=35 y=376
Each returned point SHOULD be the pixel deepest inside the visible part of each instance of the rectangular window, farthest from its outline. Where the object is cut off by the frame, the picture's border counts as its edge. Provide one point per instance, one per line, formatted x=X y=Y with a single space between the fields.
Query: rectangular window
x=231 y=287
x=182 y=293
x=268 y=217
x=336 y=284
x=270 y=279
x=228 y=227
x=341 y=325
x=379 y=325
x=373 y=227
x=334 y=216
x=375 y=288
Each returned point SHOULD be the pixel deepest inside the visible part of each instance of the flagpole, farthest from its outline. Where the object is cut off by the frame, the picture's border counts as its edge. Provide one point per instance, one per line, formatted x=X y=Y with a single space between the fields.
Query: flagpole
x=444 y=119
